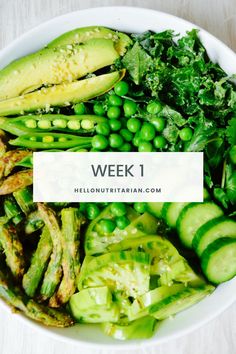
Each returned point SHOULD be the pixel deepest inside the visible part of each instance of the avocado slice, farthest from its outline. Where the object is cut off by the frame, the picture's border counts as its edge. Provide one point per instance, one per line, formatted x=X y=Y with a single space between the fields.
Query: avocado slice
x=61 y=95
x=55 y=65
x=83 y=34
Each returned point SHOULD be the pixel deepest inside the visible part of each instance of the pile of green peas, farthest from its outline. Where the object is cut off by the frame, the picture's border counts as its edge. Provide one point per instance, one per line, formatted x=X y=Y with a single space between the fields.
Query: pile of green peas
x=124 y=131
x=105 y=226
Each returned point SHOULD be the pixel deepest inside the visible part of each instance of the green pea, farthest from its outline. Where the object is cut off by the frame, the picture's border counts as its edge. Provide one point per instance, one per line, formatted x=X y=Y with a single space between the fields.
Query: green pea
x=159 y=142
x=186 y=134
x=87 y=124
x=31 y=123
x=126 y=135
x=98 y=109
x=121 y=88
x=126 y=147
x=122 y=222
x=103 y=129
x=33 y=138
x=147 y=132
x=133 y=125
x=136 y=140
x=73 y=124
x=113 y=112
x=99 y=142
x=144 y=146
x=115 y=100
x=80 y=108
x=48 y=139
x=130 y=108
x=60 y=123
x=115 y=124
x=115 y=141
x=118 y=209
x=44 y=124
x=62 y=139
x=107 y=226
x=92 y=211
x=154 y=107
x=140 y=207
x=159 y=123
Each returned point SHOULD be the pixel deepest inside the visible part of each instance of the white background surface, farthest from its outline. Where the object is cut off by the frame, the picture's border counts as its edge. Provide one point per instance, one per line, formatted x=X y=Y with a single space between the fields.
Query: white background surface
x=219 y=18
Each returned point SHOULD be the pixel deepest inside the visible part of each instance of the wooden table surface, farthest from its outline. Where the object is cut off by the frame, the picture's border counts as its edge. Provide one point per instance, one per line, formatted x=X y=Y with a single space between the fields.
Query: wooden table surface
x=219 y=18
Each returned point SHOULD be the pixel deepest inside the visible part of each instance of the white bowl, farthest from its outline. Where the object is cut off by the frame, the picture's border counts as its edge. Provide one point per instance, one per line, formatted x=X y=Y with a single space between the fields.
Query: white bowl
x=130 y=19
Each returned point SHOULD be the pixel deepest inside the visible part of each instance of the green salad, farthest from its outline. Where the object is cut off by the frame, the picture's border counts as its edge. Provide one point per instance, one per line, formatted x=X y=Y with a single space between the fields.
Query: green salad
x=124 y=266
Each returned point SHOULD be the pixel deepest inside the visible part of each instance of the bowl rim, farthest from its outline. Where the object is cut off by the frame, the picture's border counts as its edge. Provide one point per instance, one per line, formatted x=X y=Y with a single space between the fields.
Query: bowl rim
x=141 y=344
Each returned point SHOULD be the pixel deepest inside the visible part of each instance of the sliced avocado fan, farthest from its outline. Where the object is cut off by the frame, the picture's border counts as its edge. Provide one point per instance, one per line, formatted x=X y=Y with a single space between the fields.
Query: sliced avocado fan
x=51 y=66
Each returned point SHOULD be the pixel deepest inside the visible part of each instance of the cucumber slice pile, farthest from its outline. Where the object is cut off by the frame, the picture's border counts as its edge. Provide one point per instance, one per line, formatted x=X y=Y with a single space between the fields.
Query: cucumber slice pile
x=204 y=228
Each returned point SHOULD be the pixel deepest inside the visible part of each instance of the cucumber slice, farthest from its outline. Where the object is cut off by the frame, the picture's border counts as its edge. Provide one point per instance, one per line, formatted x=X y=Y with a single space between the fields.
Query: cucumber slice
x=179 y=301
x=143 y=304
x=219 y=260
x=94 y=305
x=192 y=217
x=166 y=262
x=140 y=329
x=126 y=271
x=211 y=231
x=171 y=212
x=155 y=208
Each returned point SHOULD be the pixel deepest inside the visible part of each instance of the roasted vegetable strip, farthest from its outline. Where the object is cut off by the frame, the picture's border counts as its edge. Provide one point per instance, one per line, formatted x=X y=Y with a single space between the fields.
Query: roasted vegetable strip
x=53 y=273
x=71 y=224
x=12 y=210
x=39 y=264
x=14 y=182
x=10 y=159
x=33 y=223
x=14 y=297
x=13 y=249
x=24 y=198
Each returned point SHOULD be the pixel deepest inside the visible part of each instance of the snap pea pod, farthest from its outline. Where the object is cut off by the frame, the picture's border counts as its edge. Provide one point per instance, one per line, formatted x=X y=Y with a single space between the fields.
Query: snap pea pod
x=53 y=273
x=51 y=141
x=81 y=124
x=71 y=224
x=33 y=222
x=14 y=182
x=10 y=160
x=13 y=249
x=14 y=297
x=24 y=198
x=12 y=210
x=38 y=264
